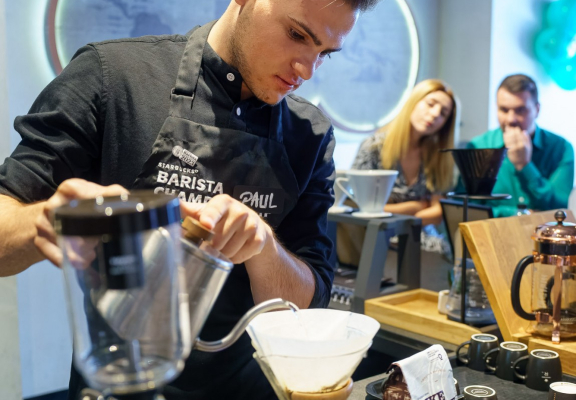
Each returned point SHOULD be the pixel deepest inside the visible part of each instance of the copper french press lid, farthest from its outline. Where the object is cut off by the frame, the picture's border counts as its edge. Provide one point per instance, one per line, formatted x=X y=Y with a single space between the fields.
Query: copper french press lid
x=556 y=238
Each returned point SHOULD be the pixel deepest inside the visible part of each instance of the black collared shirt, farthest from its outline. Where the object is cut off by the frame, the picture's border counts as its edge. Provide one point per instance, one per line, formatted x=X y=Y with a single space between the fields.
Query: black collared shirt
x=222 y=85
x=99 y=119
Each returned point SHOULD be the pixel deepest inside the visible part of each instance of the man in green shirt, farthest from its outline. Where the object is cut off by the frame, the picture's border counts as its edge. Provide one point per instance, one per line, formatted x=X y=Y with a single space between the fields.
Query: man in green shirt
x=538 y=171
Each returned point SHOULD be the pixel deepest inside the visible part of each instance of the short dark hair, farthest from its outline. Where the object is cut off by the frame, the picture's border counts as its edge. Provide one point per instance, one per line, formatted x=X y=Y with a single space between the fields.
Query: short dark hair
x=362 y=5
x=519 y=83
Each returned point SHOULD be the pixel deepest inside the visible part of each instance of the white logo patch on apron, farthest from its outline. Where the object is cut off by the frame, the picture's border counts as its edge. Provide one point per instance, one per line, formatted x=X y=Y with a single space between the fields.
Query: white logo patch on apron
x=185 y=155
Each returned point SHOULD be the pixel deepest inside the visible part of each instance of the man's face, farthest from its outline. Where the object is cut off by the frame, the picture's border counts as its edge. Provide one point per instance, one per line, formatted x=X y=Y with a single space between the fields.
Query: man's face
x=517 y=110
x=278 y=44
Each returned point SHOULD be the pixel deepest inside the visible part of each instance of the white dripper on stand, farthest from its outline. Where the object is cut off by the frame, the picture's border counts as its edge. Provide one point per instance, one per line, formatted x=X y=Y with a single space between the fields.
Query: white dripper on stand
x=312 y=351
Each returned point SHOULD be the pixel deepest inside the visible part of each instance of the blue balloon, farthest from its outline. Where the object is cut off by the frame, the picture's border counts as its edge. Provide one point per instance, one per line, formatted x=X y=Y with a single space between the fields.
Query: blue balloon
x=564 y=74
x=560 y=12
x=555 y=45
x=570 y=25
x=550 y=47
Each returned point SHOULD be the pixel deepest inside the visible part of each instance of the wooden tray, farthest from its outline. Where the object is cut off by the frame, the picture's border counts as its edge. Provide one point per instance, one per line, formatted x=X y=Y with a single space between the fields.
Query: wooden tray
x=417 y=311
x=496 y=246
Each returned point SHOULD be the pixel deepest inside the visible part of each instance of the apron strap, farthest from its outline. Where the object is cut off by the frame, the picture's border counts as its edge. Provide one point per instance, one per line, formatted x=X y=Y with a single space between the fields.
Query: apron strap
x=182 y=95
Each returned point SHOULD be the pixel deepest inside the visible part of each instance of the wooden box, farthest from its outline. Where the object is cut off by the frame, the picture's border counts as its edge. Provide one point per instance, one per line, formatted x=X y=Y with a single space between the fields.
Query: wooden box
x=417 y=311
x=496 y=246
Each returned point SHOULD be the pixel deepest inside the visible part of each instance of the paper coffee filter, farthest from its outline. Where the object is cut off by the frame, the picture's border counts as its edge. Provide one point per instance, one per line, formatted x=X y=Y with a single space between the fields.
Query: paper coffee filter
x=313 y=374
x=314 y=333
x=312 y=350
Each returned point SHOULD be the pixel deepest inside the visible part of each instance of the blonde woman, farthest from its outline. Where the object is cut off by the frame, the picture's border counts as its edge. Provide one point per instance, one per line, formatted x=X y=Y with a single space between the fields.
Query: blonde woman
x=410 y=144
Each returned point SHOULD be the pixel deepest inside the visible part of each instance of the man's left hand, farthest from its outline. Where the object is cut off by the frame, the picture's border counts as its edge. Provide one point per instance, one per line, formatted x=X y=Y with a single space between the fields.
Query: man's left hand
x=519 y=145
x=240 y=233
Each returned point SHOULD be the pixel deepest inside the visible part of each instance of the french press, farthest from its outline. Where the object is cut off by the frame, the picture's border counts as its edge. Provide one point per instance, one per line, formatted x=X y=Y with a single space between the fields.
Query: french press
x=139 y=288
x=553 y=280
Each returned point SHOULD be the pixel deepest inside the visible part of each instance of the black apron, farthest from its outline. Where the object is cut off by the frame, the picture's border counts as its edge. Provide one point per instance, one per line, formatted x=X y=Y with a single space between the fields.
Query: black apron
x=197 y=162
x=210 y=161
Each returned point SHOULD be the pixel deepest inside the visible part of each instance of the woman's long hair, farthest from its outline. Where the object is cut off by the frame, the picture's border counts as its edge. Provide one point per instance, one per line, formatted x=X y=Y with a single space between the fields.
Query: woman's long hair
x=438 y=167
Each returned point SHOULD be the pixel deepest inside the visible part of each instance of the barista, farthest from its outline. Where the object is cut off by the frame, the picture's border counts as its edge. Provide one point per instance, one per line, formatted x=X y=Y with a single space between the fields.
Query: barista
x=208 y=117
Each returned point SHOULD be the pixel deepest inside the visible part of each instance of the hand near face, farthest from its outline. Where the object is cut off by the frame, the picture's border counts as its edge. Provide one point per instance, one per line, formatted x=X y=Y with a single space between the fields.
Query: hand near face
x=69 y=190
x=519 y=145
x=240 y=233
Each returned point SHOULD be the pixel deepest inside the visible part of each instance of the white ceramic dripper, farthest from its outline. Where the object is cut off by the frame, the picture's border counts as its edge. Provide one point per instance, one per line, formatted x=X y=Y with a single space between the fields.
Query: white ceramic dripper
x=311 y=352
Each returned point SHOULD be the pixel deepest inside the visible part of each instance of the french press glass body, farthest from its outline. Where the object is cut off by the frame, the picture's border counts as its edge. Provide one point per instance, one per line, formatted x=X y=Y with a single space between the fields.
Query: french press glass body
x=553 y=300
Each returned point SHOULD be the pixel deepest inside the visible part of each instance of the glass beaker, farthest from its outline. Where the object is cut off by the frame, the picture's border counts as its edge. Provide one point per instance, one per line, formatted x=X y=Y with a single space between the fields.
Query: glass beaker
x=478 y=310
x=126 y=297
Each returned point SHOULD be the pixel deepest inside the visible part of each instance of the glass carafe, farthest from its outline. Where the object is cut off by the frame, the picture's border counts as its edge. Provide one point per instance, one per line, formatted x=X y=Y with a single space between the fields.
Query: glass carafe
x=478 y=311
x=128 y=307
x=140 y=288
x=553 y=289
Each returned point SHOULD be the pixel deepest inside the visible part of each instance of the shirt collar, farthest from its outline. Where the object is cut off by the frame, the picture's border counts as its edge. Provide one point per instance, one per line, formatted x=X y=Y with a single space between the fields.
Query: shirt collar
x=227 y=76
x=537 y=139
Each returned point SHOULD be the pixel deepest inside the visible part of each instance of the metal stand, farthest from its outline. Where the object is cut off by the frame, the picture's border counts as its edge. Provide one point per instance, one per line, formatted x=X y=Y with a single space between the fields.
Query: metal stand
x=375 y=250
x=465 y=197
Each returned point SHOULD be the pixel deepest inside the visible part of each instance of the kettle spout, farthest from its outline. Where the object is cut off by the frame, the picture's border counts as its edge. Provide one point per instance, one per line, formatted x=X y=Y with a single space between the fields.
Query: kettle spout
x=240 y=327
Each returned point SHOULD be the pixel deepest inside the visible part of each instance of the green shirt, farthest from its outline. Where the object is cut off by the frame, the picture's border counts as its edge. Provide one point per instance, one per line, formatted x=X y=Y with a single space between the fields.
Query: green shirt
x=544 y=183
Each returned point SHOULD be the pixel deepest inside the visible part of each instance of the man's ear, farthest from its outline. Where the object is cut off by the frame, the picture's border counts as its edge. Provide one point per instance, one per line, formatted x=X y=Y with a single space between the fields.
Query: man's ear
x=537 y=109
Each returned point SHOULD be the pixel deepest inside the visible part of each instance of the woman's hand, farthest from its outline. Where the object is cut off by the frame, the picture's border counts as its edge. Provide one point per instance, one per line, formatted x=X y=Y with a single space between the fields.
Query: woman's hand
x=407 y=207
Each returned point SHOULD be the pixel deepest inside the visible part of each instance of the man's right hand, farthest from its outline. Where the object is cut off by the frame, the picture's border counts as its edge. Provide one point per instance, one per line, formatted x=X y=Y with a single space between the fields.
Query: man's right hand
x=519 y=145
x=71 y=189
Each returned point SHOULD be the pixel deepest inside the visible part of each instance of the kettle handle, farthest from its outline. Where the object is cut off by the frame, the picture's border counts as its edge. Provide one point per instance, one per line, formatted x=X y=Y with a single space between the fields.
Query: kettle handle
x=515 y=290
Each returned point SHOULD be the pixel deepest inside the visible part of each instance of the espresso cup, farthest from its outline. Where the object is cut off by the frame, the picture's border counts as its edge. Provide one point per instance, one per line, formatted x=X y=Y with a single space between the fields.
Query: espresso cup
x=562 y=391
x=477 y=392
x=543 y=368
x=478 y=345
x=369 y=189
x=500 y=359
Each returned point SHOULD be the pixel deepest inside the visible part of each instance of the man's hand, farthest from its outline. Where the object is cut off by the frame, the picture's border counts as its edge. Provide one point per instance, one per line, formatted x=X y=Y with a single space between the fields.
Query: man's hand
x=240 y=233
x=519 y=145
x=71 y=189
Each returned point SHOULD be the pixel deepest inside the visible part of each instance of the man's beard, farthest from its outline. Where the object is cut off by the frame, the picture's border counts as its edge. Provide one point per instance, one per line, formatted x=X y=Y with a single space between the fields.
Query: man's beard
x=239 y=61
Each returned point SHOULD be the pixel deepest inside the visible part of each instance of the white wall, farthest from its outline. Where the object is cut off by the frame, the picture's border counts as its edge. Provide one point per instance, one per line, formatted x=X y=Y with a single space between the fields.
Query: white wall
x=464 y=59
x=427 y=14
x=45 y=343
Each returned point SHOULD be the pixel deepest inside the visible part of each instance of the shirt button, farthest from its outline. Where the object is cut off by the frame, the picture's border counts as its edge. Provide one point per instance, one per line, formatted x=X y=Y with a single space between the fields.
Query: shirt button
x=238 y=111
x=230 y=76
x=521 y=199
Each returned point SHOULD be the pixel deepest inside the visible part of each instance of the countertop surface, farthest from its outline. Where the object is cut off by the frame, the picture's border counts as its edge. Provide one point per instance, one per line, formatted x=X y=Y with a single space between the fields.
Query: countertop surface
x=465 y=376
